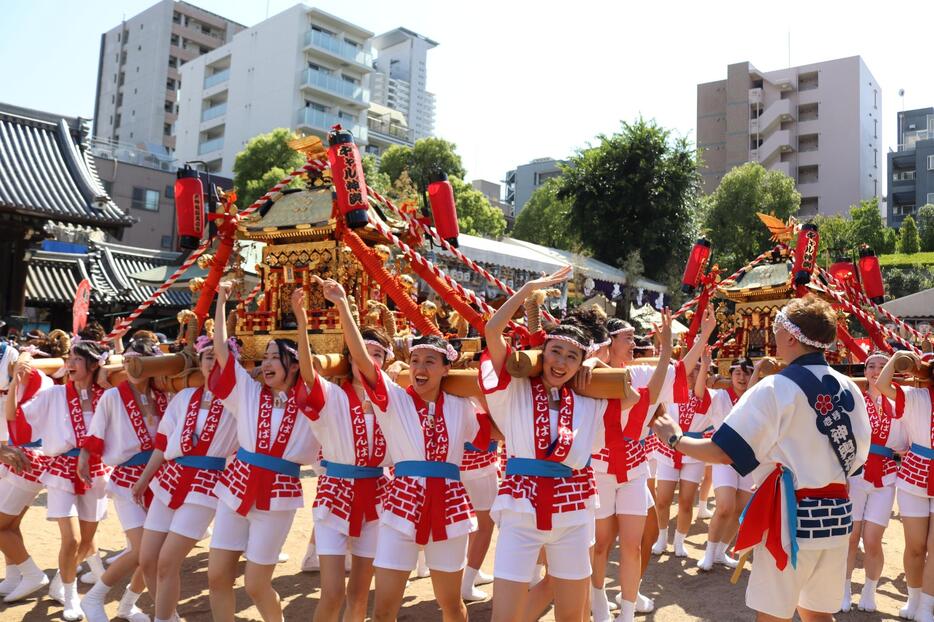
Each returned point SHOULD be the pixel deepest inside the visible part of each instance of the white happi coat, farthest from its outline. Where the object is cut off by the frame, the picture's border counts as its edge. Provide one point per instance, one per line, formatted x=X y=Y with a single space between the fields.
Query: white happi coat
x=917 y=425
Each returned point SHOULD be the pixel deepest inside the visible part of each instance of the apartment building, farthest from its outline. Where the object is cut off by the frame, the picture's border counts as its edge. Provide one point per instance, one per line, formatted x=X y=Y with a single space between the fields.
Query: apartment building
x=400 y=78
x=522 y=181
x=911 y=166
x=138 y=71
x=302 y=69
x=820 y=124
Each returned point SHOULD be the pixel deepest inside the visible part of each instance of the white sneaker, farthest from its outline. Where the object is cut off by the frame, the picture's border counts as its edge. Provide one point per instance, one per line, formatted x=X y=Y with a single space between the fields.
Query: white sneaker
x=475 y=594
x=644 y=604
x=13 y=577
x=57 y=589
x=483 y=578
x=28 y=585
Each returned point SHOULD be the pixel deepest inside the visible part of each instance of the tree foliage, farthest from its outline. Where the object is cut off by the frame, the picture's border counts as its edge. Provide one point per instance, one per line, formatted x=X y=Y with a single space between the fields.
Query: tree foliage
x=926 y=227
x=636 y=189
x=909 y=241
x=427 y=155
x=903 y=281
x=545 y=218
x=475 y=215
x=729 y=213
x=836 y=237
x=868 y=226
x=264 y=161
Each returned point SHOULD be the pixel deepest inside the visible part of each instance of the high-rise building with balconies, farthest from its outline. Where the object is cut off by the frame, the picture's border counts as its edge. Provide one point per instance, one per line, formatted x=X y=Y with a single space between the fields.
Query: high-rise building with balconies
x=400 y=78
x=302 y=69
x=820 y=124
x=911 y=166
x=138 y=71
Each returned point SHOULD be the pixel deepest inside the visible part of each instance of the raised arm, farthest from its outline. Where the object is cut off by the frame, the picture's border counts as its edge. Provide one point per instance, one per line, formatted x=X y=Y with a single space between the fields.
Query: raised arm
x=708 y=323
x=309 y=375
x=700 y=384
x=221 y=353
x=657 y=381
x=334 y=293
x=886 y=381
x=21 y=371
x=496 y=325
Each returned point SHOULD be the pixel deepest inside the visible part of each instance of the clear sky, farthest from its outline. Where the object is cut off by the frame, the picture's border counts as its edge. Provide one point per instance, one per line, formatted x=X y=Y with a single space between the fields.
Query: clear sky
x=522 y=79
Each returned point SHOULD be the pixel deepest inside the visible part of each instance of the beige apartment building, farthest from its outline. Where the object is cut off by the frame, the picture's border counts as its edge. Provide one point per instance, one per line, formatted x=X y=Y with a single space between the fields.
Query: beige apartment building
x=820 y=124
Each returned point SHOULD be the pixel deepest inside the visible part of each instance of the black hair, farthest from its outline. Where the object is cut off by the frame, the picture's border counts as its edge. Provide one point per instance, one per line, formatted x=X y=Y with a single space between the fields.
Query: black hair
x=433 y=340
x=592 y=321
x=93 y=332
x=371 y=333
x=144 y=342
x=286 y=348
x=90 y=351
x=744 y=362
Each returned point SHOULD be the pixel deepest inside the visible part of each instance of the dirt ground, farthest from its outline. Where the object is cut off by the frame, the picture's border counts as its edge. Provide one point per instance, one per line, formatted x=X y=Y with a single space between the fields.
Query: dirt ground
x=680 y=590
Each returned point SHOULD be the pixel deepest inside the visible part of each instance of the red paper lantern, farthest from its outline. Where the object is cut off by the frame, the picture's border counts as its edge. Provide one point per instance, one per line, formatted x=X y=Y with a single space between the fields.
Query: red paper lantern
x=871 y=275
x=844 y=271
x=695 y=267
x=443 y=208
x=805 y=254
x=347 y=175
x=189 y=207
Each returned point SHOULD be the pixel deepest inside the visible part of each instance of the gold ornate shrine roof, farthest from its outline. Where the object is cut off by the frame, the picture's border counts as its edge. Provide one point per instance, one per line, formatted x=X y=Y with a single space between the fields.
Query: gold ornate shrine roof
x=762 y=282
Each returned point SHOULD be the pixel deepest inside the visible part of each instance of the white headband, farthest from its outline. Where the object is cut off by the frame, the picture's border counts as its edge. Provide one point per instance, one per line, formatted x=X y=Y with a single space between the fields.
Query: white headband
x=388 y=351
x=877 y=355
x=620 y=331
x=450 y=353
x=596 y=346
x=570 y=340
x=781 y=320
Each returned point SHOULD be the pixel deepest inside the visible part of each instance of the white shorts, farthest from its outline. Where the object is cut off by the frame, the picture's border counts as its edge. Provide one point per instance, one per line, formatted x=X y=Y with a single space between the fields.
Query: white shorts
x=872 y=504
x=189 y=520
x=631 y=498
x=329 y=541
x=913 y=506
x=14 y=499
x=725 y=475
x=520 y=542
x=482 y=491
x=690 y=471
x=90 y=507
x=653 y=467
x=259 y=535
x=398 y=551
x=816 y=584
x=131 y=514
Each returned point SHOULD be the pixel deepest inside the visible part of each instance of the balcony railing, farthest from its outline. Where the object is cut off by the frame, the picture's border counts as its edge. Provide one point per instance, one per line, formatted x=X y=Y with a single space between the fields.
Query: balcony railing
x=325 y=121
x=217 y=78
x=392 y=130
x=336 y=85
x=214 y=112
x=903 y=176
x=338 y=47
x=209 y=146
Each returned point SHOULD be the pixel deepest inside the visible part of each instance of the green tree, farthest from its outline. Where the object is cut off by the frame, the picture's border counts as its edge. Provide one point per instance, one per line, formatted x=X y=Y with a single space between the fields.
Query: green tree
x=374 y=178
x=903 y=281
x=636 y=189
x=926 y=227
x=428 y=155
x=475 y=215
x=545 y=218
x=836 y=237
x=264 y=161
x=890 y=236
x=729 y=213
x=868 y=227
x=909 y=240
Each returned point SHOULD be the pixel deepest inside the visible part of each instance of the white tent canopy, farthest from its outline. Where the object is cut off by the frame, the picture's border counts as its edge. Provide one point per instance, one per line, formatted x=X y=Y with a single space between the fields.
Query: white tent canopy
x=502 y=253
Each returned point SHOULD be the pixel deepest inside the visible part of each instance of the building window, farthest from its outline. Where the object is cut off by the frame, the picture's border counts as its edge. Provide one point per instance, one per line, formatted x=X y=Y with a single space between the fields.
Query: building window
x=144 y=198
x=170 y=84
x=930 y=198
x=170 y=191
x=808 y=174
x=875 y=158
x=875 y=98
x=875 y=128
x=931 y=162
x=173 y=62
x=167 y=241
x=167 y=129
x=808 y=142
x=807 y=81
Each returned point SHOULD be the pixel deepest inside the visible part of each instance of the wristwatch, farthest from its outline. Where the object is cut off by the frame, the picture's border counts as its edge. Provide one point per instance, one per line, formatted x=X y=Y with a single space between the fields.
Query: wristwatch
x=673 y=440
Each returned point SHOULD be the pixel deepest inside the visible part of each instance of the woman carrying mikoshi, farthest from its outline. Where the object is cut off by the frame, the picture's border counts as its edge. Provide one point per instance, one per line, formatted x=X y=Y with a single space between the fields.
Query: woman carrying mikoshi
x=61 y=416
x=122 y=435
x=547 y=498
x=195 y=438
x=260 y=490
x=427 y=505
x=915 y=488
x=873 y=491
x=352 y=491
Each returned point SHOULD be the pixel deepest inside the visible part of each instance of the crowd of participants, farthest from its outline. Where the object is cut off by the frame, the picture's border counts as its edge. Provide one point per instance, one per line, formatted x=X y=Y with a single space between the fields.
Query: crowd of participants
x=418 y=480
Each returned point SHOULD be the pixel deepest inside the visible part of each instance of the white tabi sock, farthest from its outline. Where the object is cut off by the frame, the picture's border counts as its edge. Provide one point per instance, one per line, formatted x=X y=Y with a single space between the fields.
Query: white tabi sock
x=867 y=598
x=679 y=544
x=11 y=580
x=914 y=596
x=127 y=601
x=96 y=564
x=599 y=605
x=627 y=611
x=925 y=612
x=97 y=593
x=710 y=555
x=847 y=603
x=661 y=543
x=29 y=568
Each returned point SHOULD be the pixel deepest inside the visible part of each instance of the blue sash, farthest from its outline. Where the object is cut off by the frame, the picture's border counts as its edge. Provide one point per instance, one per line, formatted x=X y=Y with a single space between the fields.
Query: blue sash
x=537 y=468
x=424 y=468
x=352 y=471
x=270 y=463
x=922 y=451
x=138 y=459
x=882 y=450
x=208 y=463
x=31 y=445
x=832 y=406
x=72 y=453
x=491 y=448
